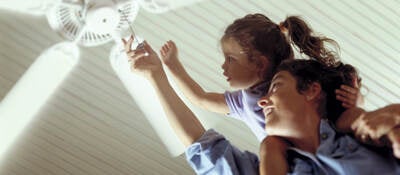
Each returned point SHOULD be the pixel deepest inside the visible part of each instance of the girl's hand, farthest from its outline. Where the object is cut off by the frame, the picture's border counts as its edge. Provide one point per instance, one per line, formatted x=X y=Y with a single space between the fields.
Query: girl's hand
x=350 y=96
x=169 y=53
x=144 y=61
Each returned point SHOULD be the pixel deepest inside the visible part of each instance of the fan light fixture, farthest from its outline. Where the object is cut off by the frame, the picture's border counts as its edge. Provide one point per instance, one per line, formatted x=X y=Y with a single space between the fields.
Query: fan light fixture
x=33 y=89
x=33 y=7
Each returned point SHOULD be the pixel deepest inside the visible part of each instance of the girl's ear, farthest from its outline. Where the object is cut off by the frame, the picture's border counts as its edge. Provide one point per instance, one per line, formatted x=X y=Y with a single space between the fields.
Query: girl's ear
x=264 y=67
x=313 y=92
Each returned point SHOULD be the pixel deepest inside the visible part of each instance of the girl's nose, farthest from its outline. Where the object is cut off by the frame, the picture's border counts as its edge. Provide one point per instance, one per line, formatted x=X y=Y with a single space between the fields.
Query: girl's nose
x=223 y=66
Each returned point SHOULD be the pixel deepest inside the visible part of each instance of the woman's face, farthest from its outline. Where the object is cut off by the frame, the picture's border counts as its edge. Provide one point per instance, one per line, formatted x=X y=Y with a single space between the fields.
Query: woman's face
x=239 y=71
x=283 y=106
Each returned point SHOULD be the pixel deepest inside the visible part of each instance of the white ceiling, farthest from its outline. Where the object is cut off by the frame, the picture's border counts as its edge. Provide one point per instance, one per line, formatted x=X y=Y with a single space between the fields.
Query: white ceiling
x=91 y=124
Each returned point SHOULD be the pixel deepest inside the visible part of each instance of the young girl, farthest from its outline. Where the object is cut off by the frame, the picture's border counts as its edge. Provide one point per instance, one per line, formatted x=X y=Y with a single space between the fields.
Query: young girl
x=253 y=47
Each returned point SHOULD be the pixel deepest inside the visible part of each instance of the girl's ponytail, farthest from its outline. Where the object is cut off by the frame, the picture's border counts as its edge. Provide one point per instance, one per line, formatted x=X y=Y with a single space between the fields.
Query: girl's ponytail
x=302 y=36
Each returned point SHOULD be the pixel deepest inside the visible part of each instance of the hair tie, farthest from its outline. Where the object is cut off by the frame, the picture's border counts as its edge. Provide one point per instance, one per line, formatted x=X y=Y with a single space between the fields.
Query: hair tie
x=282 y=28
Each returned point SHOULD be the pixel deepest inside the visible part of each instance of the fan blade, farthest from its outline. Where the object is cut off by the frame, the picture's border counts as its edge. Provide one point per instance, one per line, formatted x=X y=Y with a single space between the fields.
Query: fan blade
x=33 y=7
x=32 y=90
x=161 y=6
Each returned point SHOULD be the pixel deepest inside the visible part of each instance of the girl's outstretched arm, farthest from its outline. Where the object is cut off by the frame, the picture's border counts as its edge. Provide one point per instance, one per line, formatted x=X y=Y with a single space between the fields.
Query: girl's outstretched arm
x=183 y=121
x=210 y=101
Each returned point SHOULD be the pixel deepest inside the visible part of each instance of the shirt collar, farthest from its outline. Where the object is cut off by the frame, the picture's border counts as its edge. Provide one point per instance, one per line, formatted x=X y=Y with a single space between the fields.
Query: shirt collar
x=259 y=89
x=326 y=135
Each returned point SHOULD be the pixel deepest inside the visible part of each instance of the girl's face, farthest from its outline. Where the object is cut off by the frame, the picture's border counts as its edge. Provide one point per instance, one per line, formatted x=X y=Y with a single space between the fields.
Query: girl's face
x=239 y=71
x=283 y=106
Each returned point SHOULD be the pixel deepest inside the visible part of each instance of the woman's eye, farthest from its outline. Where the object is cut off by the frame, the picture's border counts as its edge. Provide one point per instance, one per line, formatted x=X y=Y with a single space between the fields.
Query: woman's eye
x=271 y=88
x=274 y=87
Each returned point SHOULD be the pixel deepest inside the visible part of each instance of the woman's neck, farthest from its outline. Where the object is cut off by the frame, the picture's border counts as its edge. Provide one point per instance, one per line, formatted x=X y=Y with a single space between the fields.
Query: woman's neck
x=307 y=138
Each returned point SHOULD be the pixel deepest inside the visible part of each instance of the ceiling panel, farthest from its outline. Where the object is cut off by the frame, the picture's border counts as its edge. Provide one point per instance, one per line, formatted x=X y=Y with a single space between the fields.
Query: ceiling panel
x=92 y=126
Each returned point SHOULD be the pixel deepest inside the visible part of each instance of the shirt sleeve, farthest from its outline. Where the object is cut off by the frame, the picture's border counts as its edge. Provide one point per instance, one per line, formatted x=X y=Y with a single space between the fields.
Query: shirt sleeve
x=235 y=103
x=213 y=154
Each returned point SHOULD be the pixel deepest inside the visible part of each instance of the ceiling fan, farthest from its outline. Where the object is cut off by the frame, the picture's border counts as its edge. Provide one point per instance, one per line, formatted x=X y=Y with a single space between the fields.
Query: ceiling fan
x=82 y=23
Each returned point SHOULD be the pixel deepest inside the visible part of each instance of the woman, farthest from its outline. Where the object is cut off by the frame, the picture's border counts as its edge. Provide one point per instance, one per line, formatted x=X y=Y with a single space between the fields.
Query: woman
x=306 y=121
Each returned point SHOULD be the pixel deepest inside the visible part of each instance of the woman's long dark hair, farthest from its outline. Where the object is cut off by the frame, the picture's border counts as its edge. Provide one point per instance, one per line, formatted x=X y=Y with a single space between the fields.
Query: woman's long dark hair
x=330 y=77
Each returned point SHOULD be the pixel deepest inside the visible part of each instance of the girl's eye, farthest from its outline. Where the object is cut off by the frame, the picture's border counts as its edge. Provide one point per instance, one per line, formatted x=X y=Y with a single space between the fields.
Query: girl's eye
x=229 y=59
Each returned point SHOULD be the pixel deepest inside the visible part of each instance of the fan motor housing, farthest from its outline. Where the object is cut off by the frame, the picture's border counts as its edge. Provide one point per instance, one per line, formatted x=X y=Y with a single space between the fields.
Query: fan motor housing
x=94 y=23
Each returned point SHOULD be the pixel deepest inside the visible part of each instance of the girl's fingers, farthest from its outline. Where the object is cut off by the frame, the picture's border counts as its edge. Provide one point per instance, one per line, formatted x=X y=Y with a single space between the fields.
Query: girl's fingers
x=137 y=62
x=346 y=94
x=356 y=83
x=349 y=89
x=346 y=105
x=134 y=52
x=172 y=44
x=135 y=55
x=147 y=47
x=162 y=53
x=165 y=48
x=130 y=54
x=128 y=44
x=345 y=100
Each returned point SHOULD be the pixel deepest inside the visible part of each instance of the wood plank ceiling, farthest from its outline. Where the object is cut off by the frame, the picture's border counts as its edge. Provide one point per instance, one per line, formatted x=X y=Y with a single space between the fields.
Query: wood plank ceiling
x=92 y=126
